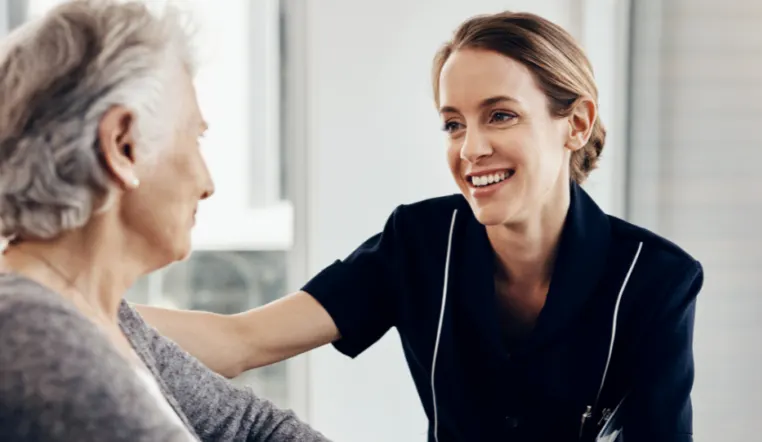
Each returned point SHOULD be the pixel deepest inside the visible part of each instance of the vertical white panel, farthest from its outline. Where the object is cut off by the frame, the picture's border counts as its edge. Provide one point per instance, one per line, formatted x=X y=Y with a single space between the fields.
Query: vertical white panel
x=604 y=33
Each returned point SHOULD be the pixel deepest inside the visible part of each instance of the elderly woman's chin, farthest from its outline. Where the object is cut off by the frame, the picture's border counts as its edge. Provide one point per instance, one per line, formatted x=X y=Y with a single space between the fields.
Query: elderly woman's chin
x=183 y=248
x=180 y=245
x=165 y=243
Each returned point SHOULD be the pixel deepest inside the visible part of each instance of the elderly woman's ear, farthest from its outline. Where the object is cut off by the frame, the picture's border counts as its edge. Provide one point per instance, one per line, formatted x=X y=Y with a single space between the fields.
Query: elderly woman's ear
x=117 y=143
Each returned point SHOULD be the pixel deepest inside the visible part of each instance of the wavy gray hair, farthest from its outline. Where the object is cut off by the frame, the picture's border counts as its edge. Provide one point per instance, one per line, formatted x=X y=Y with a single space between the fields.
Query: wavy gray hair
x=58 y=77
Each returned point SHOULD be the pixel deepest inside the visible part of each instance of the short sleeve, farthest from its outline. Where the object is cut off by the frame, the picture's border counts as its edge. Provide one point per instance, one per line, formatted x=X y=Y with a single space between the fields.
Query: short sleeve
x=360 y=292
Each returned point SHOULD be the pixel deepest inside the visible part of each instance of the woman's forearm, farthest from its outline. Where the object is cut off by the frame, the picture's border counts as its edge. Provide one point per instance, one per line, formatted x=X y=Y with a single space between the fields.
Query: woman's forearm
x=284 y=328
x=212 y=338
x=232 y=344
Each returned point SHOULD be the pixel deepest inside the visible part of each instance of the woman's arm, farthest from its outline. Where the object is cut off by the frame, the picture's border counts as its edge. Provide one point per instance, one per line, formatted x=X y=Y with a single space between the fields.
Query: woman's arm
x=353 y=299
x=659 y=407
x=218 y=410
x=231 y=344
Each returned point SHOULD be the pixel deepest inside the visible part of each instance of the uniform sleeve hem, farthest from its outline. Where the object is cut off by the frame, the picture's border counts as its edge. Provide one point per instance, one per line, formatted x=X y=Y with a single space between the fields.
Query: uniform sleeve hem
x=322 y=287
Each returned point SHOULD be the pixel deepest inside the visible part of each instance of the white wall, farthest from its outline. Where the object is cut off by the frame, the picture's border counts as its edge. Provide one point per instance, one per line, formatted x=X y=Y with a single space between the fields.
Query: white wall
x=373 y=143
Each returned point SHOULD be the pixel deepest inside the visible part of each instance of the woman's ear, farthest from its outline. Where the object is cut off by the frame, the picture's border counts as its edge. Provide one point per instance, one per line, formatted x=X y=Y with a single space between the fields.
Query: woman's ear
x=117 y=144
x=581 y=121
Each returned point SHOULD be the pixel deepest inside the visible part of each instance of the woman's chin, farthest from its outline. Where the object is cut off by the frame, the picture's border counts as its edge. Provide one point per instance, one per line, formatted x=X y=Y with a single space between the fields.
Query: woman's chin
x=493 y=214
x=177 y=250
x=183 y=250
x=490 y=218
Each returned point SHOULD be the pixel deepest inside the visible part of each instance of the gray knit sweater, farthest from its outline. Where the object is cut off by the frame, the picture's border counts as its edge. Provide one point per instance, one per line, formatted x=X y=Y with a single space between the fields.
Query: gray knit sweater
x=61 y=380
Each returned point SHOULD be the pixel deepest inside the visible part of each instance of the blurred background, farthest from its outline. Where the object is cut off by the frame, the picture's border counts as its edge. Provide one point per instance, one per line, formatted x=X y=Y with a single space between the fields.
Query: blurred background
x=322 y=121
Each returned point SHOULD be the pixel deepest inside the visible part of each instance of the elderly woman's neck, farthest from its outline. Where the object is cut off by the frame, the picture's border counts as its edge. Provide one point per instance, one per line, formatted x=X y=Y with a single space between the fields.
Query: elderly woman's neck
x=90 y=268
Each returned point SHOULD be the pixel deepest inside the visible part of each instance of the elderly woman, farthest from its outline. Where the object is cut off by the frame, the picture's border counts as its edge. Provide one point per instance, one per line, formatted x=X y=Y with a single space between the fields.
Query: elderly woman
x=100 y=178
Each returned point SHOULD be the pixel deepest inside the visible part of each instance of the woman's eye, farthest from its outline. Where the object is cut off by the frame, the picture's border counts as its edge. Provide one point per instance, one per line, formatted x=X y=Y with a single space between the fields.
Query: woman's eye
x=502 y=117
x=451 y=126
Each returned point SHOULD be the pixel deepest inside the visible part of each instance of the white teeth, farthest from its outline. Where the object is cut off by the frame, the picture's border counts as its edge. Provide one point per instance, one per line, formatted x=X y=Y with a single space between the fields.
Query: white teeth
x=484 y=180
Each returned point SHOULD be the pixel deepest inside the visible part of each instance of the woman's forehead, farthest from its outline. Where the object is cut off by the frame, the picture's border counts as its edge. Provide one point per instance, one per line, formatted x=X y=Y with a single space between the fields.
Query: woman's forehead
x=469 y=77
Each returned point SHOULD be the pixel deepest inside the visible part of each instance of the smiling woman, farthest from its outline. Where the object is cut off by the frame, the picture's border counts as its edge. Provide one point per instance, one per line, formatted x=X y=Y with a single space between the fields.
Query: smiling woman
x=525 y=312
x=517 y=97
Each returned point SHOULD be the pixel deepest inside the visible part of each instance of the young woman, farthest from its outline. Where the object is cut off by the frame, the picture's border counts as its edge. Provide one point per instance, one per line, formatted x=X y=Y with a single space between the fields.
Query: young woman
x=525 y=312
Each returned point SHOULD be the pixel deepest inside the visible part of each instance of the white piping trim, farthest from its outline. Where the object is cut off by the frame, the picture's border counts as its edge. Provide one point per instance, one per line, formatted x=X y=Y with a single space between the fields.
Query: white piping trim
x=439 y=327
x=613 y=326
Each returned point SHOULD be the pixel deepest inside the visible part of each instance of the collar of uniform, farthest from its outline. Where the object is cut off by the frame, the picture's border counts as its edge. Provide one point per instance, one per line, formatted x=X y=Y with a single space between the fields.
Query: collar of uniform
x=578 y=268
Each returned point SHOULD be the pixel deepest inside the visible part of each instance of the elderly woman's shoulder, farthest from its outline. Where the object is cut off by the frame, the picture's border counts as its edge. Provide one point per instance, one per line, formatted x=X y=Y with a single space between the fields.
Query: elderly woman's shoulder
x=26 y=306
x=38 y=327
x=60 y=379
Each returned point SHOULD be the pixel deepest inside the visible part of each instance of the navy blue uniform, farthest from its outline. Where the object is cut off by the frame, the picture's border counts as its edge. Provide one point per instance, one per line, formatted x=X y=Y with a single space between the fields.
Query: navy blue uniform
x=615 y=286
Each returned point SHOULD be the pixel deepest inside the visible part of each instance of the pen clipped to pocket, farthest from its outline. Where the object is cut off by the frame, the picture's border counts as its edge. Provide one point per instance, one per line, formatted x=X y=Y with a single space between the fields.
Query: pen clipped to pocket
x=611 y=425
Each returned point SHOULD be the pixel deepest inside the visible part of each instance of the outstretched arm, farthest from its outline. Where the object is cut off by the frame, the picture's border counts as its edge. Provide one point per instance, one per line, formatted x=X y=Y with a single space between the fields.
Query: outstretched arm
x=231 y=344
x=351 y=303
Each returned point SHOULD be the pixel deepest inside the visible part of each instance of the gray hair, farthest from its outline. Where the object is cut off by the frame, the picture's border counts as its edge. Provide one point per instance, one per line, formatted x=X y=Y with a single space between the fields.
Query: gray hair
x=58 y=77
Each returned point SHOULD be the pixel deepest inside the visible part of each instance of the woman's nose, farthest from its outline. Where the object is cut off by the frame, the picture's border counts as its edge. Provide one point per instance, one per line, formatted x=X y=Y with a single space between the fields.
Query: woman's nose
x=475 y=146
